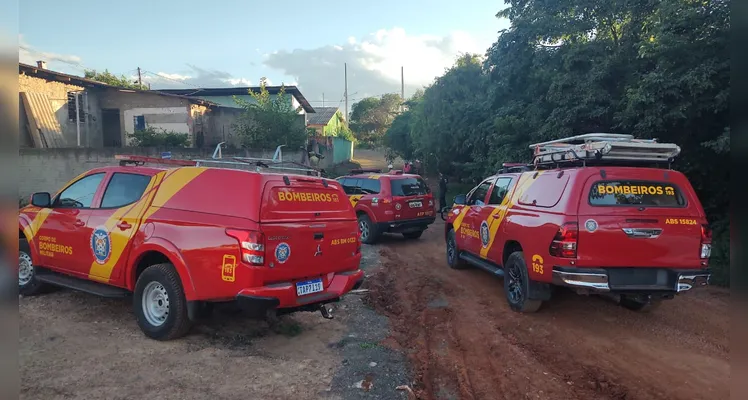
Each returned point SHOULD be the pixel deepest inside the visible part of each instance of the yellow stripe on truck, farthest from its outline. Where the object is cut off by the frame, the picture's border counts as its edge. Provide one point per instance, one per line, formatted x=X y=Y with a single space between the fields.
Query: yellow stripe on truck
x=458 y=221
x=162 y=187
x=355 y=198
x=499 y=213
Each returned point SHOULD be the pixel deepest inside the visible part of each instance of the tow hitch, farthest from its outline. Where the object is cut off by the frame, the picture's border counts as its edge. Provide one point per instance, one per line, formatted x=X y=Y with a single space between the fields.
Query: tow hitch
x=326 y=312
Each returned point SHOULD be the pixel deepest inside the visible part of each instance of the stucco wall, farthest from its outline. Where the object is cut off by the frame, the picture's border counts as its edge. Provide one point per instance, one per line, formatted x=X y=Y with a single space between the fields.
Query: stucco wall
x=170 y=113
x=57 y=92
x=48 y=169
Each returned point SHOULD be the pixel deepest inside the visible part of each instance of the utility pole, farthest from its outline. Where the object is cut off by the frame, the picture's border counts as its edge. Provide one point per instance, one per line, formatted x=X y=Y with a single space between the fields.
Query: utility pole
x=323 y=99
x=140 y=80
x=402 y=88
x=346 y=91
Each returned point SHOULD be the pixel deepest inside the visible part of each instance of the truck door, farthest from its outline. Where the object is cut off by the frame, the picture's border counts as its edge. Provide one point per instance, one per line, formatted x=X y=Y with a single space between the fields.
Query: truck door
x=493 y=217
x=114 y=224
x=468 y=234
x=62 y=238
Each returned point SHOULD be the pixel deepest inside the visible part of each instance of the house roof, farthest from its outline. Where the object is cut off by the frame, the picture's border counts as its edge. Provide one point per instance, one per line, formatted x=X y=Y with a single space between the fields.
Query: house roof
x=322 y=116
x=50 y=75
x=237 y=91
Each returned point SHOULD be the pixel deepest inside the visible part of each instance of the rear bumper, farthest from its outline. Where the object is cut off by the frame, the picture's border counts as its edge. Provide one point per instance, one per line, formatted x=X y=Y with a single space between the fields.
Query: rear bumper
x=631 y=280
x=257 y=301
x=407 y=225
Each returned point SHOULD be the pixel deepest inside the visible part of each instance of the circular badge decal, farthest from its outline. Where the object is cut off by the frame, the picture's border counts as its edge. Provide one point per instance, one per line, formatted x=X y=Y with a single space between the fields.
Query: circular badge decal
x=485 y=235
x=282 y=252
x=101 y=245
x=590 y=225
x=398 y=206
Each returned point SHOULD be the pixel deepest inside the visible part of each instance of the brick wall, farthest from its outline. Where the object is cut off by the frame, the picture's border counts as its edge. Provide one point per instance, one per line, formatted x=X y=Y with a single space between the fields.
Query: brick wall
x=47 y=170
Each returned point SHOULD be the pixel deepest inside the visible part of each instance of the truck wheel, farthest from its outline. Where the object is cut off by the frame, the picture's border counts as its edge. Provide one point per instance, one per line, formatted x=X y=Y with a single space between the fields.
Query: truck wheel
x=369 y=232
x=159 y=303
x=412 y=235
x=28 y=285
x=453 y=252
x=516 y=285
x=637 y=303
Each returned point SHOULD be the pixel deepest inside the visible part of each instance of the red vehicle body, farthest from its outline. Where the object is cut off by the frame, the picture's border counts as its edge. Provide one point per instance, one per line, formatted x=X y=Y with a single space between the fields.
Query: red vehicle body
x=203 y=235
x=638 y=233
x=389 y=203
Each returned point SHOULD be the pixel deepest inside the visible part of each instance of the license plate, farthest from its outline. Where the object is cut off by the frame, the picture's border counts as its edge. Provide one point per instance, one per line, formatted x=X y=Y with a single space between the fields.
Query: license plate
x=309 y=287
x=416 y=204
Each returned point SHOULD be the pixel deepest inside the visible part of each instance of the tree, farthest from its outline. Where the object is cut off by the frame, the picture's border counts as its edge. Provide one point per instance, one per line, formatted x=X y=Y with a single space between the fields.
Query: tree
x=269 y=120
x=372 y=116
x=655 y=69
x=111 y=79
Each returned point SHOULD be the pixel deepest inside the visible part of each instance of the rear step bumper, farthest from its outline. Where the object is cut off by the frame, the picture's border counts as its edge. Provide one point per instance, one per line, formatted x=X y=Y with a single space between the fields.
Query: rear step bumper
x=417 y=224
x=631 y=280
x=282 y=296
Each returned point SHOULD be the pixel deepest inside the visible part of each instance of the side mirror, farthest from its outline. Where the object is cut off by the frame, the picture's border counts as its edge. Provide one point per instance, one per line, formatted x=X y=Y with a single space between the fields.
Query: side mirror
x=460 y=199
x=41 y=199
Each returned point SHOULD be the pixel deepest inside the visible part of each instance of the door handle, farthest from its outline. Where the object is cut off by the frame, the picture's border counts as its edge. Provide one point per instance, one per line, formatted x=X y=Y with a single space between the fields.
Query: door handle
x=124 y=225
x=79 y=223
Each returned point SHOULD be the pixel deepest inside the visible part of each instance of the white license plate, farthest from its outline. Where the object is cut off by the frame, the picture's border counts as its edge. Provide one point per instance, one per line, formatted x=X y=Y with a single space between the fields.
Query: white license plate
x=309 y=287
x=416 y=204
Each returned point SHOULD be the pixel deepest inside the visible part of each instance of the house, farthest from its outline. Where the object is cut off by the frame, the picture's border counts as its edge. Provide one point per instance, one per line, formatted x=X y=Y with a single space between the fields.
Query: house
x=225 y=96
x=62 y=110
x=326 y=121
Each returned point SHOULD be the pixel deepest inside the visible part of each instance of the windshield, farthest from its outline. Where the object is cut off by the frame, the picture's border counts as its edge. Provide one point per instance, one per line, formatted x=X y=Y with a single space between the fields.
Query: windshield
x=409 y=187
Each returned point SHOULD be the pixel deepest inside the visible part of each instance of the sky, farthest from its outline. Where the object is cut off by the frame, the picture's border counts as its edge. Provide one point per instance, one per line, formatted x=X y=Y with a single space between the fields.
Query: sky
x=191 y=43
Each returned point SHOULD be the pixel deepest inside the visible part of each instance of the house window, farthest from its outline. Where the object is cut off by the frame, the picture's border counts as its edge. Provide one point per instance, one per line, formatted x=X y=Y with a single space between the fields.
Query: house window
x=71 y=107
x=139 y=122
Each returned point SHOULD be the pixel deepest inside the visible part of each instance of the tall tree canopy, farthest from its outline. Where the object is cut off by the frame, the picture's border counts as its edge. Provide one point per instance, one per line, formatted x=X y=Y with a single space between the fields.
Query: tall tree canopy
x=371 y=117
x=655 y=69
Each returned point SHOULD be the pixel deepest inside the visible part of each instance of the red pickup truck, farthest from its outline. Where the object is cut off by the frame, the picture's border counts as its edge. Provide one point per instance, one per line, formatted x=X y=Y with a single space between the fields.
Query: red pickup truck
x=176 y=239
x=604 y=216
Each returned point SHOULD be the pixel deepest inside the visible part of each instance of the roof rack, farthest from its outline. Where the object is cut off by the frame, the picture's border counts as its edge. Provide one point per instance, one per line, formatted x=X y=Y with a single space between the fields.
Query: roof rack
x=603 y=148
x=365 y=171
x=275 y=164
x=508 y=168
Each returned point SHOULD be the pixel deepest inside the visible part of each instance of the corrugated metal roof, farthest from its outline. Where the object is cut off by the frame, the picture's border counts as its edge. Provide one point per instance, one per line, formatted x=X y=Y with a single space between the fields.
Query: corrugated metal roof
x=322 y=116
x=43 y=126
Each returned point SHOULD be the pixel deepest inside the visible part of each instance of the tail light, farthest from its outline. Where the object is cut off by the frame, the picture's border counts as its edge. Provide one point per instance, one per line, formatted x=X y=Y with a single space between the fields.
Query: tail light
x=252 y=245
x=564 y=244
x=706 y=241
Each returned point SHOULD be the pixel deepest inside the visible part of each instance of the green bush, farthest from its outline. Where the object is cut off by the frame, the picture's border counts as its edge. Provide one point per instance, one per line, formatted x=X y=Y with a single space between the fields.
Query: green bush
x=159 y=137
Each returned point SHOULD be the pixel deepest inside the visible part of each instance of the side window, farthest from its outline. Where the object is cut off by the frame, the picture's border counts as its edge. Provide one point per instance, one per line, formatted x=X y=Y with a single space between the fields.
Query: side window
x=81 y=193
x=124 y=189
x=500 y=190
x=478 y=194
x=350 y=186
x=370 y=186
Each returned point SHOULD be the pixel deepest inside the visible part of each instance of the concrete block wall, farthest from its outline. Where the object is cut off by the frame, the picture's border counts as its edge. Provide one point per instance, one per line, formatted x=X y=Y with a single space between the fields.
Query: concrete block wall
x=47 y=170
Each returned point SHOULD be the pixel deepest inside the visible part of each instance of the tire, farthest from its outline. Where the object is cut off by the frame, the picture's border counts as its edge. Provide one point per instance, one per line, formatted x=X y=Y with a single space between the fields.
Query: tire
x=366 y=226
x=28 y=285
x=636 y=303
x=412 y=235
x=159 y=303
x=453 y=252
x=516 y=285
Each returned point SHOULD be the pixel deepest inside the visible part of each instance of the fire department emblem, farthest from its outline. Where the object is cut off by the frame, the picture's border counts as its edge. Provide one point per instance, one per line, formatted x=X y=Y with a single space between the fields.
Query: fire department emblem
x=590 y=225
x=101 y=245
x=282 y=252
x=485 y=235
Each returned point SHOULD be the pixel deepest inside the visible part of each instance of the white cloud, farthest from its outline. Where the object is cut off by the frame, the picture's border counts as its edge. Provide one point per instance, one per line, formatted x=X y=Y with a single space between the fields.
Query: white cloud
x=373 y=63
x=193 y=77
x=27 y=54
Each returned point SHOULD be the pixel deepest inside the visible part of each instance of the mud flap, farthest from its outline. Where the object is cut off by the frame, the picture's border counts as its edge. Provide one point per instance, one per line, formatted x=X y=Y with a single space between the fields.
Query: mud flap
x=539 y=291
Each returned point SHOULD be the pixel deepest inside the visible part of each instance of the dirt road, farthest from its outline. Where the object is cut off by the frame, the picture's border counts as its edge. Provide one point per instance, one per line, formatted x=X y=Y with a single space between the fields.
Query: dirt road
x=465 y=343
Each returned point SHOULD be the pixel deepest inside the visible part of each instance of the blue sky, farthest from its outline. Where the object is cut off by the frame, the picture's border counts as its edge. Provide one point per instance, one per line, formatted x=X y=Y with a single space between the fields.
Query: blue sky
x=191 y=43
